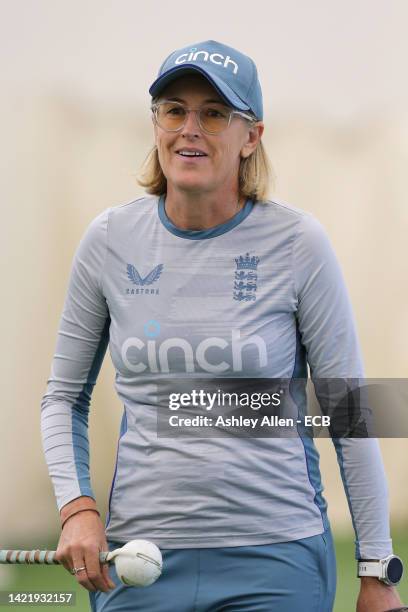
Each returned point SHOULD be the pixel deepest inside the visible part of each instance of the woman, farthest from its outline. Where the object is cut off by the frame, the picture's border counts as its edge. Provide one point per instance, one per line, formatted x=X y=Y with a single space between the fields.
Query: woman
x=205 y=276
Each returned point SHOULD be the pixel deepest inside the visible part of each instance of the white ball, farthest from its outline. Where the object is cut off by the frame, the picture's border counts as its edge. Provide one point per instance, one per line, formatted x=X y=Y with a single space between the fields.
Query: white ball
x=139 y=563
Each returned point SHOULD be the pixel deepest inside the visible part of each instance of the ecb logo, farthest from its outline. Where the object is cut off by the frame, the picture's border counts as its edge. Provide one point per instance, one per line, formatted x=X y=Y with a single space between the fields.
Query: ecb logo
x=245 y=279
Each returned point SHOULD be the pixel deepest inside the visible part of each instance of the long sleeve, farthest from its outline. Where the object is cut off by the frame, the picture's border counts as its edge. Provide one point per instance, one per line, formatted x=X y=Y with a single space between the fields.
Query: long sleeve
x=83 y=336
x=328 y=333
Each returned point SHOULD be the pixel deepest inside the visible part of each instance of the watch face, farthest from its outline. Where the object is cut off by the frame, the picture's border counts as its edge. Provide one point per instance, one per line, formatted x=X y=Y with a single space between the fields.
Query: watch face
x=394 y=570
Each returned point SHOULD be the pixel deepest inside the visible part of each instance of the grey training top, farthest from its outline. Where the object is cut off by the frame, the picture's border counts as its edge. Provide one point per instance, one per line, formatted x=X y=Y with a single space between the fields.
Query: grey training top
x=173 y=302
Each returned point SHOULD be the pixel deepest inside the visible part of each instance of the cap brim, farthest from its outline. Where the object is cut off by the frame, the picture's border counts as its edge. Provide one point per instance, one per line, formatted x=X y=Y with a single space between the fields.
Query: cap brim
x=174 y=73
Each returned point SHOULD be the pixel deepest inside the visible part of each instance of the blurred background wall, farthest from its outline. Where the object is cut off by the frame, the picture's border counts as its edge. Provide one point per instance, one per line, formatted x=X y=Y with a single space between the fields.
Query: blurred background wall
x=76 y=128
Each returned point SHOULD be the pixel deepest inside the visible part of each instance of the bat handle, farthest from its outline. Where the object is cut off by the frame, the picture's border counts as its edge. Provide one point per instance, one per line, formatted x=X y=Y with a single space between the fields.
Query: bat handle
x=41 y=557
x=46 y=557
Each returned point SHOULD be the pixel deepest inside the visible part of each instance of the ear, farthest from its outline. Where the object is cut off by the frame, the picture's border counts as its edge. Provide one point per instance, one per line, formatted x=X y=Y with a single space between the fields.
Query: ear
x=254 y=135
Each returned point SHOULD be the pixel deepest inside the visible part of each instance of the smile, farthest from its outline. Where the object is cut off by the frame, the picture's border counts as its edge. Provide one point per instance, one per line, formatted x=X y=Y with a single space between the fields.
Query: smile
x=191 y=153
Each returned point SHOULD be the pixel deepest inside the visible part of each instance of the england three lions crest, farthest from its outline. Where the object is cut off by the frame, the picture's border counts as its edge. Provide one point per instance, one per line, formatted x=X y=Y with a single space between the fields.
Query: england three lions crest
x=245 y=279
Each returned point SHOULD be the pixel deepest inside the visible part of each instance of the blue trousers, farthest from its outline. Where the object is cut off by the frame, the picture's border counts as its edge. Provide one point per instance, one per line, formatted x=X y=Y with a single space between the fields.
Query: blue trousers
x=282 y=577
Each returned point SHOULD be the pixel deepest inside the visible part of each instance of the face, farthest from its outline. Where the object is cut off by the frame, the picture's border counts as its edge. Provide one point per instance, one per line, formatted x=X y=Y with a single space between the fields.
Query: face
x=217 y=170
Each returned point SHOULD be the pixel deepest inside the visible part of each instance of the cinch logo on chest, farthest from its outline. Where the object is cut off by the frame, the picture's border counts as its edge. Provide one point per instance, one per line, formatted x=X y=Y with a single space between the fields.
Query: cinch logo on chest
x=150 y=354
x=141 y=282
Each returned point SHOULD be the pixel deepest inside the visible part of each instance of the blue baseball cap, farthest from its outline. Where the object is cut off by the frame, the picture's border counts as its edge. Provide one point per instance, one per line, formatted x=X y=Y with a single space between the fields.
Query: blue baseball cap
x=230 y=72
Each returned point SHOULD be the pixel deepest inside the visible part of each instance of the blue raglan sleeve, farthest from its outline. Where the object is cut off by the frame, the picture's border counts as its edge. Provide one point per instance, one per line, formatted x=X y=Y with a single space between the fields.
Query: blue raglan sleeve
x=82 y=339
x=328 y=332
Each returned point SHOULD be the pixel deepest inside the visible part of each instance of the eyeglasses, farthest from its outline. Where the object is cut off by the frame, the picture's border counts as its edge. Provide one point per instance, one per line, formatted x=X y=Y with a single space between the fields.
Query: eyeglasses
x=212 y=118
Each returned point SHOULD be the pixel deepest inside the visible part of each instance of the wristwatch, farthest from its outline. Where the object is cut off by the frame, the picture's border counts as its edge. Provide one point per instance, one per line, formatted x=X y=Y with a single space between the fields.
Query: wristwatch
x=389 y=570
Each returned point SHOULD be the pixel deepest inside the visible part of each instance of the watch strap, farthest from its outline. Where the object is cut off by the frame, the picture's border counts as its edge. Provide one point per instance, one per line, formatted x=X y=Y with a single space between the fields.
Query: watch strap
x=369 y=568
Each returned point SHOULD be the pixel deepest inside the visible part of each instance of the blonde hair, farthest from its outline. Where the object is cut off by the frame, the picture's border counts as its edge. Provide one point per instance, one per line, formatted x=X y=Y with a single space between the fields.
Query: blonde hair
x=254 y=176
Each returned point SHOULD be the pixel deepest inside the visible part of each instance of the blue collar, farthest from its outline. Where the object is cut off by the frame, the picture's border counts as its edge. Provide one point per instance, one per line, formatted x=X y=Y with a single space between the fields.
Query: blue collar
x=210 y=232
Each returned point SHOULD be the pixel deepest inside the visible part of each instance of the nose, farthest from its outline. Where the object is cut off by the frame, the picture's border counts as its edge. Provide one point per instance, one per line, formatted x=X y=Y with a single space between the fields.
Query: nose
x=191 y=126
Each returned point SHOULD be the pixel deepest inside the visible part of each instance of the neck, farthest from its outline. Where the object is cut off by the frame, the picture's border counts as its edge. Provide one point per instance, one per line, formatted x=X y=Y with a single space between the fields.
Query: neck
x=201 y=210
